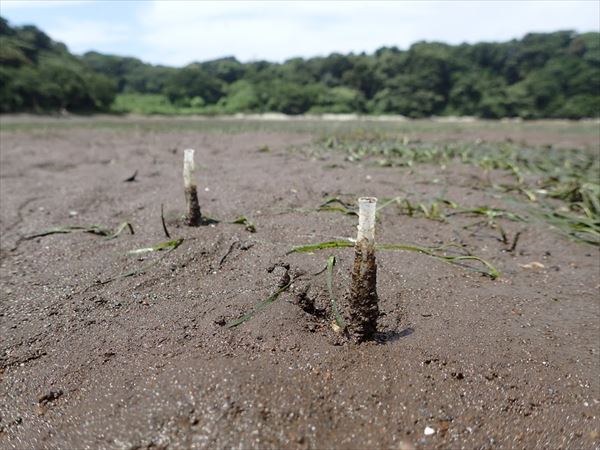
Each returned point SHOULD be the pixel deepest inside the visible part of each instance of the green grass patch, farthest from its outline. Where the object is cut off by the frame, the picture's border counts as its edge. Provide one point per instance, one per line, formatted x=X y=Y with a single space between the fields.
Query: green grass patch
x=154 y=104
x=558 y=186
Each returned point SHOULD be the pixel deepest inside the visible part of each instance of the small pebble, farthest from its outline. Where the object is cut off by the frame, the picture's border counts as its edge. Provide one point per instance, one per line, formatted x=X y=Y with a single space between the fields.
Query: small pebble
x=428 y=431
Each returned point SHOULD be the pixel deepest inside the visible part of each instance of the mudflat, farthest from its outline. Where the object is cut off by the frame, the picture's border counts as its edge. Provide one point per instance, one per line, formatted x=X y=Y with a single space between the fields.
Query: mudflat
x=103 y=349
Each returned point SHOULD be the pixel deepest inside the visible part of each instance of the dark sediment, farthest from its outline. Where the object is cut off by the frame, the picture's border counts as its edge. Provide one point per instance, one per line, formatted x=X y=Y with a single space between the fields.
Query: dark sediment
x=193 y=217
x=363 y=310
x=146 y=361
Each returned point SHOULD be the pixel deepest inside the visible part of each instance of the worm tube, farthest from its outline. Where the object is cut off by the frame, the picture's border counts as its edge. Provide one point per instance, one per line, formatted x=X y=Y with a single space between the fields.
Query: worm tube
x=363 y=309
x=193 y=216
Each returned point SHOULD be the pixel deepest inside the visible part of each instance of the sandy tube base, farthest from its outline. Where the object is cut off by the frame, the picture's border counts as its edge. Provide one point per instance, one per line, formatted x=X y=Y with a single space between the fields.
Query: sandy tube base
x=363 y=309
x=193 y=217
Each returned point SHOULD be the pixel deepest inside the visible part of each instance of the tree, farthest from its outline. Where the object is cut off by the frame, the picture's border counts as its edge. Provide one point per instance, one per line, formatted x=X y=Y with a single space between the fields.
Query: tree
x=192 y=81
x=541 y=75
x=40 y=75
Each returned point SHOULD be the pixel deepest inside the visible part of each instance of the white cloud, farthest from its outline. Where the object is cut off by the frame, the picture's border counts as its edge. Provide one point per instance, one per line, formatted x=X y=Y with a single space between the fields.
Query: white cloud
x=178 y=32
x=36 y=4
x=83 y=35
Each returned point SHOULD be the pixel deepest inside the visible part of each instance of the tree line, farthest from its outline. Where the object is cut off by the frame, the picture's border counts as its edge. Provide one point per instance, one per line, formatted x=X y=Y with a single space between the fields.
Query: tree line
x=40 y=75
x=542 y=75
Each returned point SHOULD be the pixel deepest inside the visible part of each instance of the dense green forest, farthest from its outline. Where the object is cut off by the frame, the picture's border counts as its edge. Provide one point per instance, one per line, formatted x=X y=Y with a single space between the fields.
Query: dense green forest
x=40 y=75
x=549 y=75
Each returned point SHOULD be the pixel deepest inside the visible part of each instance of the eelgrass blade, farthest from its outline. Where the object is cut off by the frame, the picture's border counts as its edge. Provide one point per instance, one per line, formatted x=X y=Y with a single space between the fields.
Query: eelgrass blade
x=54 y=230
x=321 y=246
x=490 y=270
x=172 y=244
x=120 y=229
x=338 y=205
x=99 y=230
x=434 y=252
x=164 y=224
x=262 y=305
x=336 y=313
x=329 y=208
x=93 y=229
x=386 y=202
x=491 y=213
x=243 y=220
x=576 y=227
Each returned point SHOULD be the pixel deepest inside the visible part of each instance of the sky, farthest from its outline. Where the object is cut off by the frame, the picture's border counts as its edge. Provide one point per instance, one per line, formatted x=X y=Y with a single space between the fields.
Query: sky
x=179 y=32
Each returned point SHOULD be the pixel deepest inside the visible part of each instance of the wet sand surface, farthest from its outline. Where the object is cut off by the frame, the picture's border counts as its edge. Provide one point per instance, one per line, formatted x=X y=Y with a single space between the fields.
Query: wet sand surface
x=146 y=361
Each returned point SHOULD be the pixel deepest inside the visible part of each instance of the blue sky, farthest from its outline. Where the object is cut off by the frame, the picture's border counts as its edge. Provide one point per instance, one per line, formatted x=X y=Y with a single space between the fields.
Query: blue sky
x=179 y=32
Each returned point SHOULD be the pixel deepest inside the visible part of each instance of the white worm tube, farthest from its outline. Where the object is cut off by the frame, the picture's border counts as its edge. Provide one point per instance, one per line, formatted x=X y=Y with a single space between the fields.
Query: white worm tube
x=188 y=168
x=367 y=207
x=193 y=216
x=363 y=309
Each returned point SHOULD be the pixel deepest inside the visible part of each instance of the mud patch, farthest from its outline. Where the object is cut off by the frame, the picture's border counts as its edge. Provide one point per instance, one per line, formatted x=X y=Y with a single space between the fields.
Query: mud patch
x=459 y=360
